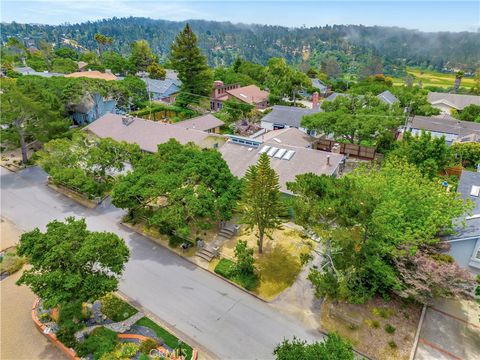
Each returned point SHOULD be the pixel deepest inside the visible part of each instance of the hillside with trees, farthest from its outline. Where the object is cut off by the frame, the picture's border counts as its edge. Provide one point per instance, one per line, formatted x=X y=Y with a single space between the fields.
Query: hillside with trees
x=340 y=48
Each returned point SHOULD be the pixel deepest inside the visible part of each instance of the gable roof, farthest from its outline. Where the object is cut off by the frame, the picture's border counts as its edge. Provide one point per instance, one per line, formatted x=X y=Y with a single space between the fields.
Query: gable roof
x=447 y=125
x=387 y=97
x=288 y=136
x=250 y=94
x=288 y=115
x=472 y=228
x=319 y=85
x=146 y=133
x=164 y=87
x=26 y=70
x=334 y=95
x=92 y=74
x=239 y=158
x=456 y=101
x=204 y=123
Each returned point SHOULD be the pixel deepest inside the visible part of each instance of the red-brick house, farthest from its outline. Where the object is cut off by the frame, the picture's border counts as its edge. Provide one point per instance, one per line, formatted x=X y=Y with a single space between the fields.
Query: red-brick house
x=250 y=94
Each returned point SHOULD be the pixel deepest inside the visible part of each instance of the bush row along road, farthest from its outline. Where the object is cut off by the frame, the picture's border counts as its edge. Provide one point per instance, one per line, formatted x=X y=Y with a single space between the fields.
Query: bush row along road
x=221 y=318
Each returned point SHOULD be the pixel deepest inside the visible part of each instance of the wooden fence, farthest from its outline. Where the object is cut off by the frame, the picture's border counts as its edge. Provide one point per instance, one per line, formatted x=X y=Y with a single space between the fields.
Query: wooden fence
x=354 y=150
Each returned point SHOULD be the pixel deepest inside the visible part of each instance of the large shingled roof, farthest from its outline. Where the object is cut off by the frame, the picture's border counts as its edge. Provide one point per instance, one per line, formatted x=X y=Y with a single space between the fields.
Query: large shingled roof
x=288 y=115
x=456 y=101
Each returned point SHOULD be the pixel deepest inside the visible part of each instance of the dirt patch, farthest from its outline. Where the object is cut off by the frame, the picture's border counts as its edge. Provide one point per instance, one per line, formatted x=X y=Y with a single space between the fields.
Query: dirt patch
x=380 y=329
x=9 y=234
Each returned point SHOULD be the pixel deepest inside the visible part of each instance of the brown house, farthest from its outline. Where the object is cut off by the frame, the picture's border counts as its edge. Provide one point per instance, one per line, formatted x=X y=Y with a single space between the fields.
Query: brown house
x=250 y=94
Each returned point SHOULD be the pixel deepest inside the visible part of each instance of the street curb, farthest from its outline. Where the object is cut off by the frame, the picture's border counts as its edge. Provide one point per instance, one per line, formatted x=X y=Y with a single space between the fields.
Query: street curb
x=174 y=331
x=417 y=333
x=128 y=226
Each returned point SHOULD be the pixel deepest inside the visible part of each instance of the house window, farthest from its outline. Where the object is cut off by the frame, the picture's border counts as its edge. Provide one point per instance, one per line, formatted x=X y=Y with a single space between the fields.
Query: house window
x=215 y=146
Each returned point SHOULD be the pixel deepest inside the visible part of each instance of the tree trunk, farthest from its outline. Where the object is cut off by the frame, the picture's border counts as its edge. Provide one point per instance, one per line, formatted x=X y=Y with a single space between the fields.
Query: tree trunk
x=260 y=242
x=23 y=146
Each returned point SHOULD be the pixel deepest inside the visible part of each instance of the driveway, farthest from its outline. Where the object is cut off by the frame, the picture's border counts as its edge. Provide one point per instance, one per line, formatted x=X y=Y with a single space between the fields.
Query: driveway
x=451 y=330
x=202 y=308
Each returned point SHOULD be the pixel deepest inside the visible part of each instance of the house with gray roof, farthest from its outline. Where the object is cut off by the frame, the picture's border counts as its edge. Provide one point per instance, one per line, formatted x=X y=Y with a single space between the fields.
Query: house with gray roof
x=288 y=136
x=387 y=97
x=447 y=102
x=282 y=117
x=439 y=126
x=288 y=161
x=465 y=242
x=334 y=95
x=163 y=90
x=26 y=70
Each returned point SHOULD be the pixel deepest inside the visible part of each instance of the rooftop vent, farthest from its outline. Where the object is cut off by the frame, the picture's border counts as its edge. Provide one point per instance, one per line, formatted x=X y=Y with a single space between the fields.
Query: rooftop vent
x=127 y=120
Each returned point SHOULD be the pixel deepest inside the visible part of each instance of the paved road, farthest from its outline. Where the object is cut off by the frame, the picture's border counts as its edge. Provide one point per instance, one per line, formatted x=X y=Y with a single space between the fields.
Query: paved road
x=217 y=315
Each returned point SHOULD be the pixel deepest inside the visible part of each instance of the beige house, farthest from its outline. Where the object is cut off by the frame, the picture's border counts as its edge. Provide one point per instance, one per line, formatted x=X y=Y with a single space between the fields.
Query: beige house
x=447 y=102
x=148 y=134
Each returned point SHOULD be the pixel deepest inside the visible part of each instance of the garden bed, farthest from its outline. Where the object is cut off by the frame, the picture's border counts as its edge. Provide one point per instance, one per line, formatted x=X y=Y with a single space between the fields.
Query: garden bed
x=76 y=196
x=380 y=329
x=101 y=334
x=10 y=262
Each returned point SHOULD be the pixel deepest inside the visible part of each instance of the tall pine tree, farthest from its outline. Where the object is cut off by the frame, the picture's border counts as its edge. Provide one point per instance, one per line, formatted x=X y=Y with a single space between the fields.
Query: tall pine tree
x=187 y=59
x=261 y=205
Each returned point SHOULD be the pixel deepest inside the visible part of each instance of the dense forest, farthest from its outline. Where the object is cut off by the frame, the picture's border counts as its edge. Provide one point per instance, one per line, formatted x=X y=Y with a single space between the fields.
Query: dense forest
x=348 y=46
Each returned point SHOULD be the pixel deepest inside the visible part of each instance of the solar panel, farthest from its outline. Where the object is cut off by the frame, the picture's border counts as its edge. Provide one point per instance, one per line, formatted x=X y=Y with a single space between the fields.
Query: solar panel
x=280 y=153
x=272 y=151
x=289 y=154
x=264 y=149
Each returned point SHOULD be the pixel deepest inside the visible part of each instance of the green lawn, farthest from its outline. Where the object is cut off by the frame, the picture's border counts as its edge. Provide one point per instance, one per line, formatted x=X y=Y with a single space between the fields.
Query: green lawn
x=433 y=78
x=226 y=268
x=170 y=340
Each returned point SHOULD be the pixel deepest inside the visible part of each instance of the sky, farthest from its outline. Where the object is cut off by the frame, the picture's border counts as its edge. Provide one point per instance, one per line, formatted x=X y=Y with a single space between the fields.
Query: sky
x=422 y=15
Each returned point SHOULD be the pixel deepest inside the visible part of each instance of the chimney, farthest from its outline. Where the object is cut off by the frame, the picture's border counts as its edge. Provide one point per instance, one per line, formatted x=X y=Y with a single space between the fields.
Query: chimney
x=315 y=100
x=328 y=160
x=218 y=83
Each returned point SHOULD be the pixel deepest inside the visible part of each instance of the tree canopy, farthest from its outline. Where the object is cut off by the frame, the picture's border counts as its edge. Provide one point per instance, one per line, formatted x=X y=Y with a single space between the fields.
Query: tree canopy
x=430 y=154
x=190 y=63
x=368 y=220
x=332 y=348
x=29 y=112
x=179 y=188
x=86 y=164
x=70 y=263
x=355 y=119
x=261 y=205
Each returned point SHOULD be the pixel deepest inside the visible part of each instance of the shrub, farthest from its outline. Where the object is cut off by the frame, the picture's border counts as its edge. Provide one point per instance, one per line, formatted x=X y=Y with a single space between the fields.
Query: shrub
x=98 y=343
x=392 y=344
x=226 y=268
x=147 y=345
x=390 y=328
x=116 y=309
x=443 y=258
x=374 y=324
x=69 y=322
x=383 y=312
x=143 y=357
x=245 y=260
x=11 y=263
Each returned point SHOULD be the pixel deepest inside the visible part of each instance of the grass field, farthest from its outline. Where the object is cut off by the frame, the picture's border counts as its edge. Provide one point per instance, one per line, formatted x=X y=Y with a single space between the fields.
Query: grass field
x=433 y=78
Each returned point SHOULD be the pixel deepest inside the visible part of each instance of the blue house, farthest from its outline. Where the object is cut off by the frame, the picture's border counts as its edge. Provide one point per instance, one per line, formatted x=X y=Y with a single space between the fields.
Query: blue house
x=91 y=107
x=465 y=243
x=163 y=90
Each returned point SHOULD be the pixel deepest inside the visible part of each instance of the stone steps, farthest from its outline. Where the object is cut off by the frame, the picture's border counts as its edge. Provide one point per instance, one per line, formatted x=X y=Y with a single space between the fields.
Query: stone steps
x=205 y=254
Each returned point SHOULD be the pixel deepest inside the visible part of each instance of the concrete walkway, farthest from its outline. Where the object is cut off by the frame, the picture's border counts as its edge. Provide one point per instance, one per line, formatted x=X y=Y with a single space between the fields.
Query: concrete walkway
x=451 y=330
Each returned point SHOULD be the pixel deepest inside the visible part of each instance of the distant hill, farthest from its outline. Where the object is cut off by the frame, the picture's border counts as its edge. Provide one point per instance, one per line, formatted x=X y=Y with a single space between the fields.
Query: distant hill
x=349 y=45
